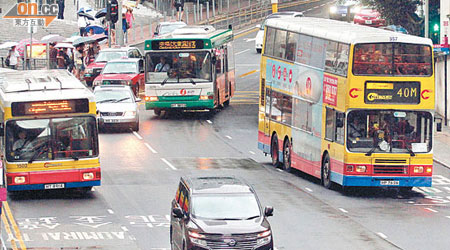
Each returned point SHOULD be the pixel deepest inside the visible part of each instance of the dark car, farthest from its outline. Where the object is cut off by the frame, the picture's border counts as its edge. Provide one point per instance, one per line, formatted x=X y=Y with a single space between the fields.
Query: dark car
x=344 y=10
x=218 y=213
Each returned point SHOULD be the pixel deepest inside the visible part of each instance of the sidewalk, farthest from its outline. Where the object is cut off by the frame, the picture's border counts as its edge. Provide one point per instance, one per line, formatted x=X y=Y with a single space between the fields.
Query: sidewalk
x=442 y=146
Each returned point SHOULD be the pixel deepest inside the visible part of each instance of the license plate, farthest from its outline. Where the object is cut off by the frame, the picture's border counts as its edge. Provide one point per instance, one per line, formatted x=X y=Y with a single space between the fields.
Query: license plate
x=111 y=121
x=54 y=186
x=178 y=105
x=368 y=21
x=390 y=183
x=344 y=14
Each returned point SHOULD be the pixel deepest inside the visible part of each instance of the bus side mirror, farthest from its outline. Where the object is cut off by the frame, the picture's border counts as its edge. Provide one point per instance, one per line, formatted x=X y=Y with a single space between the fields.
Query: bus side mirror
x=437 y=120
x=213 y=60
x=2 y=129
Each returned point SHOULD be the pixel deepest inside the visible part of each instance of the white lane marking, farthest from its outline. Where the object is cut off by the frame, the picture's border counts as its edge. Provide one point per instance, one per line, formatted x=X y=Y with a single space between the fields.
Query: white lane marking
x=251 y=152
x=309 y=189
x=308 y=10
x=209 y=121
x=93 y=189
x=125 y=229
x=315 y=7
x=343 y=210
x=322 y=5
x=240 y=52
x=430 y=190
x=249 y=40
x=279 y=170
x=411 y=202
x=430 y=204
x=448 y=217
x=168 y=164
x=110 y=211
x=382 y=235
x=447 y=189
x=150 y=147
x=431 y=210
x=137 y=135
x=229 y=137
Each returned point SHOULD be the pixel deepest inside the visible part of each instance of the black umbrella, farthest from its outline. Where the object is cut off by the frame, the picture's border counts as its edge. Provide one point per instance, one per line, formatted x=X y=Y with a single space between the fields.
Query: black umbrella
x=86 y=15
x=101 y=13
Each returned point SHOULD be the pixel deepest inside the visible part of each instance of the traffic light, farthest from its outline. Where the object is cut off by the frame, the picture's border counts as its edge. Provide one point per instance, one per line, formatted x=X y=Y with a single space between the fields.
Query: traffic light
x=436 y=27
x=112 y=11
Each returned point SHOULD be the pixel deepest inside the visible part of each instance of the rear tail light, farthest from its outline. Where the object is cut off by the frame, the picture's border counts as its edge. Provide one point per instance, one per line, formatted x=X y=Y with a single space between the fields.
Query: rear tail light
x=88 y=176
x=349 y=168
x=98 y=175
x=206 y=97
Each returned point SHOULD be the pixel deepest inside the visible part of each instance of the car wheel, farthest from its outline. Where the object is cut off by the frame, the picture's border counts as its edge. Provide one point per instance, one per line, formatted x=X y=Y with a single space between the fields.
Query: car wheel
x=136 y=126
x=157 y=112
x=287 y=156
x=258 y=51
x=274 y=151
x=326 y=172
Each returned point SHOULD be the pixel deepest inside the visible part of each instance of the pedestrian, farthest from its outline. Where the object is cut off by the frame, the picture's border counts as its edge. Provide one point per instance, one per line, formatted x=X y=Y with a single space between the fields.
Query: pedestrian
x=53 y=56
x=61 y=9
x=13 y=58
x=179 y=8
x=78 y=60
x=129 y=17
x=125 y=28
x=82 y=24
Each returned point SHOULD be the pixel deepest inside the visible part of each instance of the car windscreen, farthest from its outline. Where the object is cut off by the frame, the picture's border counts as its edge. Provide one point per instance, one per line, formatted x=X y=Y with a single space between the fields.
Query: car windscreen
x=120 y=68
x=51 y=139
x=178 y=67
x=225 y=206
x=113 y=96
x=106 y=56
x=392 y=59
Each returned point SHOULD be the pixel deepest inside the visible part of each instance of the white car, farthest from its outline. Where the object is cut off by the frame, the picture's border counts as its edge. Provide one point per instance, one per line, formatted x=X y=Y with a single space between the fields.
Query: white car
x=167 y=27
x=260 y=35
x=117 y=107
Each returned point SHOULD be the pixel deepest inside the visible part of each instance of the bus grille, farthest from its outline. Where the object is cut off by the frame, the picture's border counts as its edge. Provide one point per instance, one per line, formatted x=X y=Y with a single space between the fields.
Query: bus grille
x=390 y=169
x=387 y=161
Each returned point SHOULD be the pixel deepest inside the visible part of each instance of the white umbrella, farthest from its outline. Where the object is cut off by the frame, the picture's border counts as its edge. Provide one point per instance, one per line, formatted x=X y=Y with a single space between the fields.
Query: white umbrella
x=52 y=38
x=8 y=45
x=64 y=45
x=71 y=39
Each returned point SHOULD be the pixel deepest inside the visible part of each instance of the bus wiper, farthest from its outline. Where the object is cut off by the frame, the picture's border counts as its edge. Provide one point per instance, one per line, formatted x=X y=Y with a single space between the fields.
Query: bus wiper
x=192 y=81
x=165 y=80
x=106 y=100
x=371 y=151
x=75 y=157
x=42 y=150
x=411 y=153
x=123 y=99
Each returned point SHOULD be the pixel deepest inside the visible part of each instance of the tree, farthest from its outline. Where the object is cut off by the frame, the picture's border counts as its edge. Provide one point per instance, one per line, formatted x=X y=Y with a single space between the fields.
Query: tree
x=399 y=12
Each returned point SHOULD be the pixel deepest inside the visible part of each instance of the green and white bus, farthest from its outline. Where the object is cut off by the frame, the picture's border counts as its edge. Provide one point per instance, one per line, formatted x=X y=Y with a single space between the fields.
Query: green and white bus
x=191 y=68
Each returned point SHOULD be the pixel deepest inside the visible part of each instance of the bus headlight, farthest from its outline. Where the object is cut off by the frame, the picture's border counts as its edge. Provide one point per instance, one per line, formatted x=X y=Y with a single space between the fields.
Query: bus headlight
x=361 y=169
x=429 y=169
x=88 y=176
x=418 y=170
x=151 y=98
x=19 y=179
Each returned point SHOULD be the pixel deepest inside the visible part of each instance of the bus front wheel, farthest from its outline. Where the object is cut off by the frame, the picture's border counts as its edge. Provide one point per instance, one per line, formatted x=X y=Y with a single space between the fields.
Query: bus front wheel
x=157 y=112
x=287 y=156
x=326 y=172
x=274 y=151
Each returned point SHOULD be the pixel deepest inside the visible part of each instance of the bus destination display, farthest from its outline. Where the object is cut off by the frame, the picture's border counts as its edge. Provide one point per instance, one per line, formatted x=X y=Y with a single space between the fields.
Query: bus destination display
x=177 y=44
x=392 y=92
x=50 y=107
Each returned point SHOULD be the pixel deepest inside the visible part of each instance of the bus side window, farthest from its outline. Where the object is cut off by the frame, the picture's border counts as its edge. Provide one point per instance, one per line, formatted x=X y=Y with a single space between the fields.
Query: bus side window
x=340 y=127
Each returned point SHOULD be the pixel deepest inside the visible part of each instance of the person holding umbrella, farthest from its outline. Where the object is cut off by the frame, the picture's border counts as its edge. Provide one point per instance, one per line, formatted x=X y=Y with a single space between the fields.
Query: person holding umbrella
x=13 y=57
x=53 y=56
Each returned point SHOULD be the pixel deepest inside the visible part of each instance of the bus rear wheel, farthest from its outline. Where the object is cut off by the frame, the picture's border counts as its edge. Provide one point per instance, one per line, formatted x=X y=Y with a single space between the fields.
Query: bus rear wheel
x=326 y=172
x=274 y=151
x=287 y=156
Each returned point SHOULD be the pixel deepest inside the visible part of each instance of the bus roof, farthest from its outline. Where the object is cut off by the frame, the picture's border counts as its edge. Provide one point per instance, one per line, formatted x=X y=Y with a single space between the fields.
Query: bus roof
x=212 y=38
x=342 y=31
x=35 y=85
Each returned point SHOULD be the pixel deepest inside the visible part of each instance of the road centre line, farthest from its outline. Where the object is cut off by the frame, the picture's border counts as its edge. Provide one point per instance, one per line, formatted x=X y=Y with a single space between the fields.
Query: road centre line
x=8 y=230
x=137 y=135
x=124 y=228
x=309 y=189
x=110 y=211
x=150 y=148
x=431 y=210
x=168 y=164
x=246 y=33
x=14 y=225
x=343 y=210
x=249 y=73
x=240 y=52
x=382 y=235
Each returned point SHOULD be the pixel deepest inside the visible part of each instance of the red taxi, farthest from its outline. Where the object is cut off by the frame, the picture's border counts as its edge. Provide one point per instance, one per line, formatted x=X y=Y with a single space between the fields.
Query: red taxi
x=106 y=55
x=369 y=17
x=128 y=72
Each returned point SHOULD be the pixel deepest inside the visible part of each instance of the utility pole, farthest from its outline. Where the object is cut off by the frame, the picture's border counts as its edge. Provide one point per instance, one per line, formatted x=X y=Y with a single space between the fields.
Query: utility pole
x=119 y=28
x=427 y=18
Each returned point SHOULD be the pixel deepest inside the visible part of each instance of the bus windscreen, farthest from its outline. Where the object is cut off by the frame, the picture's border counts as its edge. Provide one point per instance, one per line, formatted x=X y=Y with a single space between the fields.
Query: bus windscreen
x=392 y=59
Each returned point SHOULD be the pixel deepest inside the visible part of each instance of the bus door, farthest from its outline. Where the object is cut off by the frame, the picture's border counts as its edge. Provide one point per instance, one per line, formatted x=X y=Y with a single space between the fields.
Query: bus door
x=268 y=105
x=220 y=75
x=225 y=70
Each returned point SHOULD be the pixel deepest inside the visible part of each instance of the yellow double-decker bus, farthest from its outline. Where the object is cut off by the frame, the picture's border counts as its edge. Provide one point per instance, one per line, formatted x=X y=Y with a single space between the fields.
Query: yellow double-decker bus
x=349 y=104
x=49 y=131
